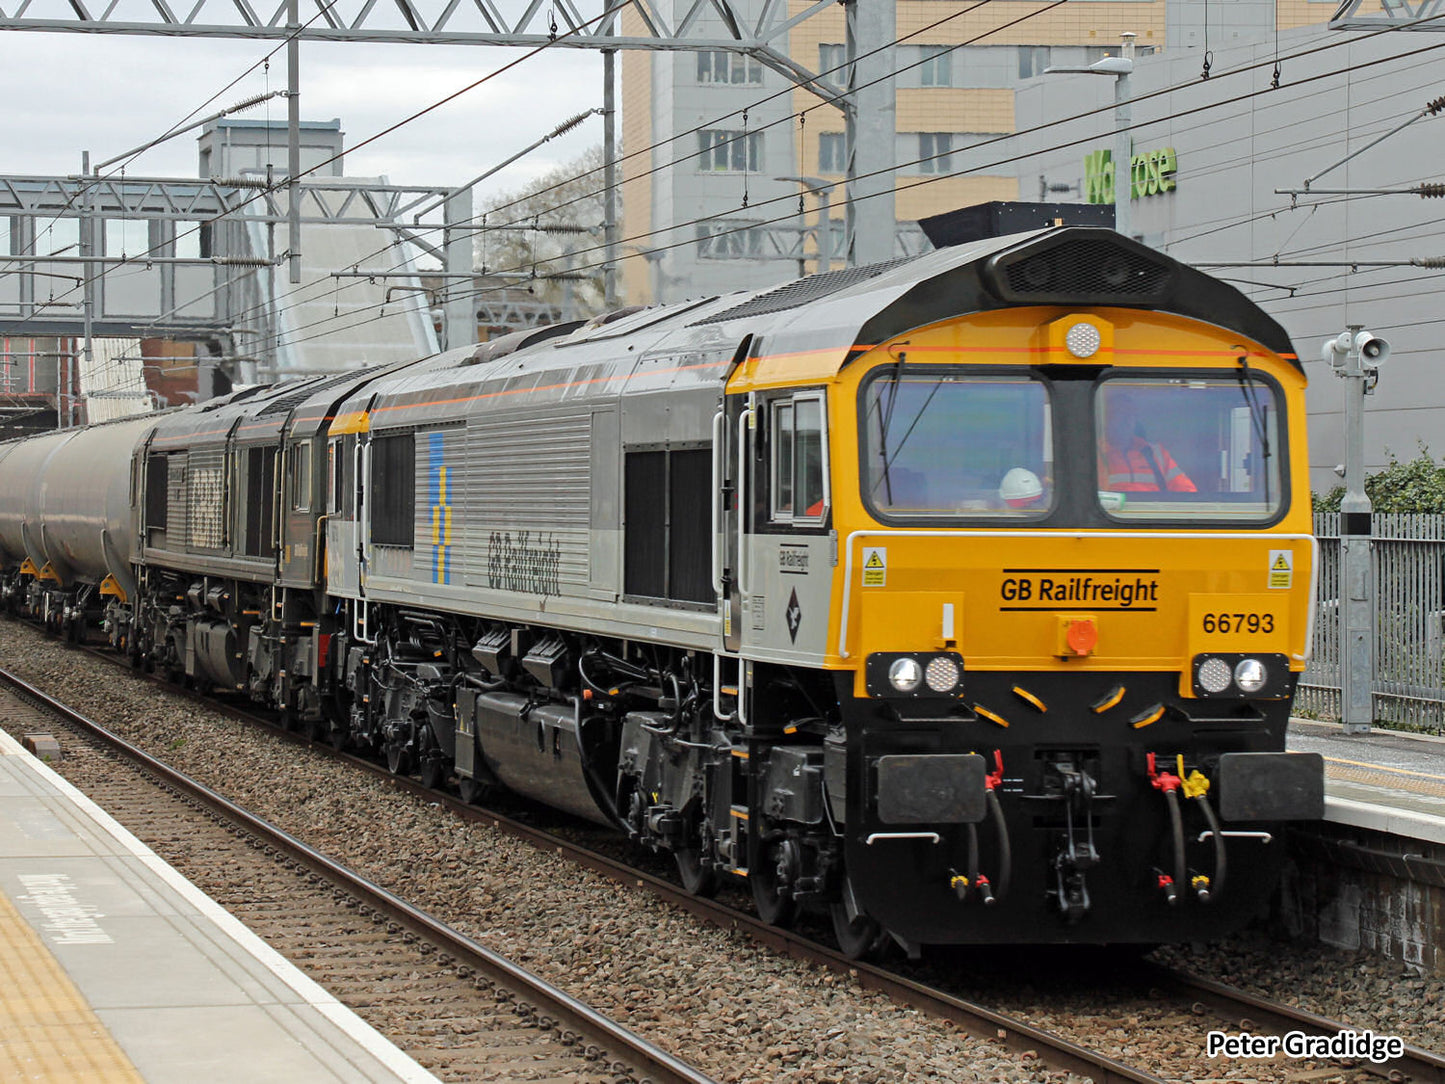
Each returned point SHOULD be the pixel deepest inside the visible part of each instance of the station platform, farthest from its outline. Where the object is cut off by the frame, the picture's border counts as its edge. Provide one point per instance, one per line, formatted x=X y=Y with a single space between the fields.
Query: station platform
x=113 y=967
x=1385 y=780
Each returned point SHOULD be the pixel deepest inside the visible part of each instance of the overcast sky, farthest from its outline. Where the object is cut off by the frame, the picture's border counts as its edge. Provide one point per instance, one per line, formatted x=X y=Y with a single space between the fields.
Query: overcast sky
x=66 y=93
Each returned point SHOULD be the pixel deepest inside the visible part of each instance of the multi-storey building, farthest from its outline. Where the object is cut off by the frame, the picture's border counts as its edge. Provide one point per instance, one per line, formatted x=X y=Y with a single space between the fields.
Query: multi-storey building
x=1244 y=98
x=712 y=137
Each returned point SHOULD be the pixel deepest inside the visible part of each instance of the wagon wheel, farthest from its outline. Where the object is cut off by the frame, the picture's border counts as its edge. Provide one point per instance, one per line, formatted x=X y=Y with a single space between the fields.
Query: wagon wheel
x=771 y=877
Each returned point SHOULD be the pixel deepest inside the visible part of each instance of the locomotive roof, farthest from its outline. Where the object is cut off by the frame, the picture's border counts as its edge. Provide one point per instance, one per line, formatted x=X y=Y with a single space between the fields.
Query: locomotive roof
x=800 y=331
x=1083 y=266
x=807 y=330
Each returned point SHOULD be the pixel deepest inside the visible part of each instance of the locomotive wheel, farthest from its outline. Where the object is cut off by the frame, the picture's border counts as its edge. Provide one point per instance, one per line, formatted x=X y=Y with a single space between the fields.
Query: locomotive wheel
x=697 y=878
x=397 y=760
x=857 y=937
x=775 y=907
x=473 y=791
x=433 y=773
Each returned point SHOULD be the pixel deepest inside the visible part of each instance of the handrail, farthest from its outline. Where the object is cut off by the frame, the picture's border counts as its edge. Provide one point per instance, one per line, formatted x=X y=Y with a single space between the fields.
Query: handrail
x=745 y=420
x=719 y=453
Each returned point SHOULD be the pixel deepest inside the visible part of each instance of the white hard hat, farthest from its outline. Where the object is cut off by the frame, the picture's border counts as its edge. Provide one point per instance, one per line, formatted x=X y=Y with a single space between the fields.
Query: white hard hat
x=1020 y=484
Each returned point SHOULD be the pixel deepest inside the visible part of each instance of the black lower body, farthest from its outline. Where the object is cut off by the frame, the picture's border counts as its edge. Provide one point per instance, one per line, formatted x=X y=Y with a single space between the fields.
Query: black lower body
x=1076 y=837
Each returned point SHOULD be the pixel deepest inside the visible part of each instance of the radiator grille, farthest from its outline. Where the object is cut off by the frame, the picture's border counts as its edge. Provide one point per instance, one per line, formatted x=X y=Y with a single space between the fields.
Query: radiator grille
x=802 y=292
x=1084 y=269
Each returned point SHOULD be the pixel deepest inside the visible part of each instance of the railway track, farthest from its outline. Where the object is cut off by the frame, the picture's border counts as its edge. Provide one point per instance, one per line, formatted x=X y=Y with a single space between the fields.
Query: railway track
x=1192 y=998
x=461 y=1010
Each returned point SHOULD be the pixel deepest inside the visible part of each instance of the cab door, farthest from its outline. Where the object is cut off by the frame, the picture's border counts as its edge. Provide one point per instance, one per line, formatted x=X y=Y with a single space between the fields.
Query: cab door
x=300 y=513
x=790 y=549
x=343 y=559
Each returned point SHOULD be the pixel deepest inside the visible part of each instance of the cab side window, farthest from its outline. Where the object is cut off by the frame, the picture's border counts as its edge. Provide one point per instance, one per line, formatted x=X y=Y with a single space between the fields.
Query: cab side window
x=798 y=478
x=301 y=477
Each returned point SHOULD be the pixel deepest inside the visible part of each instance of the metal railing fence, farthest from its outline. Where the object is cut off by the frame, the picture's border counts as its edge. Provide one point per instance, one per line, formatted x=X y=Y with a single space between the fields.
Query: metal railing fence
x=1407 y=563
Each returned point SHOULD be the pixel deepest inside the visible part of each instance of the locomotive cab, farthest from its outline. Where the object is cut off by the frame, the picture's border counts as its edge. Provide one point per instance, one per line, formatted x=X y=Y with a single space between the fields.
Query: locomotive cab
x=1071 y=599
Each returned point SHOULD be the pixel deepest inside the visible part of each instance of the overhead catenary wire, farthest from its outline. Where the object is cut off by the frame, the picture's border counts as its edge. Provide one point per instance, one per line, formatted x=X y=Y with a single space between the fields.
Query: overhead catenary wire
x=733 y=112
x=1241 y=70
x=323 y=7
x=790 y=89
x=1302 y=53
x=975 y=169
x=607 y=13
x=934 y=179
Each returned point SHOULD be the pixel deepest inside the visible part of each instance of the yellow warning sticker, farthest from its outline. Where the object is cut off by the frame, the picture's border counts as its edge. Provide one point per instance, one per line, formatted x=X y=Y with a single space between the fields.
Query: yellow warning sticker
x=875 y=566
x=1281 y=568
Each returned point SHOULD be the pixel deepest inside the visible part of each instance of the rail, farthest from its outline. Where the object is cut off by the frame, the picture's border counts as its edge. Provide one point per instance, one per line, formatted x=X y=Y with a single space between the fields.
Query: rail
x=654 y=1063
x=1228 y=1003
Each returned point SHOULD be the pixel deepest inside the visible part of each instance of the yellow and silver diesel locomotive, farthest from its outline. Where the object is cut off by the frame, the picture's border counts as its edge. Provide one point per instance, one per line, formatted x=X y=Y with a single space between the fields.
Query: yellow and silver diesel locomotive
x=961 y=598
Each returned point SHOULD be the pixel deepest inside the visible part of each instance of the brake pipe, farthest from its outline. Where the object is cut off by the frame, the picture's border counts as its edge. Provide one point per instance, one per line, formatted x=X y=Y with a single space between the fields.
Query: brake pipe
x=1196 y=788
x=991 y=783
x=1169 y=783
x=971 y=879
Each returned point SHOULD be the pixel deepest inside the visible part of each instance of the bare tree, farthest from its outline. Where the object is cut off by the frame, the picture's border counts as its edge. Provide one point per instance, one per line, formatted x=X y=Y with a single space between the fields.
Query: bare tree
x=551 y=230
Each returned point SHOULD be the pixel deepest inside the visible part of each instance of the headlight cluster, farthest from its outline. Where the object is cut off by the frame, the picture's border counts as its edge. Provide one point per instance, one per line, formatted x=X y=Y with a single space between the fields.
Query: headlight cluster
x=1239 y=675
x=915 y=674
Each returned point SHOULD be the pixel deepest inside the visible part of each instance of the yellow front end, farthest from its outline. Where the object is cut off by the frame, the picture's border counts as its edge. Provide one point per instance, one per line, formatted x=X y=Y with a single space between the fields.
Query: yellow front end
x=1107 y=592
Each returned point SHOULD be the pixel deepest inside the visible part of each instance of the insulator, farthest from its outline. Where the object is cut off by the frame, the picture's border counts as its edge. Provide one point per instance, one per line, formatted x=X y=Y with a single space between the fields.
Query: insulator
x=1431 y=190
x=1437 y=262
x=259 y=98
x=1435 y=106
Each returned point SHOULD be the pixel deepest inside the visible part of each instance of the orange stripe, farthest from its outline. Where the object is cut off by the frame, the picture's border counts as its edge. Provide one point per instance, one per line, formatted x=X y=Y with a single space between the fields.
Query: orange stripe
x=1198 y=353
x=1059 y=349
x=548 y=387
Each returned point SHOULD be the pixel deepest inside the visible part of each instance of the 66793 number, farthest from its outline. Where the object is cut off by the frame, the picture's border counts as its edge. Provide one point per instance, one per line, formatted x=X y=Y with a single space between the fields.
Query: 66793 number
x=1243 y=622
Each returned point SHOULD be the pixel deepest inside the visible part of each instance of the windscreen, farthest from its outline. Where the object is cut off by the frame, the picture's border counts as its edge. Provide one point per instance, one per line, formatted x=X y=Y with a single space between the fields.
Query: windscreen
x=950 y=444
x=1188 y=448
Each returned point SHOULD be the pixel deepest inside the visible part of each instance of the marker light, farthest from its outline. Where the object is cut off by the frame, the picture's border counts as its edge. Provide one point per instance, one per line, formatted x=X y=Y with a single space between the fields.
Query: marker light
x=1214 y=675
x=905 y=674
x=941 y=674
x=1250 y=675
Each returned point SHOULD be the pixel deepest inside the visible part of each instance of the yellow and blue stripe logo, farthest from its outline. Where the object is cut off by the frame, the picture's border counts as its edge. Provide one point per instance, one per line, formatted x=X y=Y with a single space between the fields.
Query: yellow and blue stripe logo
x=441 y=512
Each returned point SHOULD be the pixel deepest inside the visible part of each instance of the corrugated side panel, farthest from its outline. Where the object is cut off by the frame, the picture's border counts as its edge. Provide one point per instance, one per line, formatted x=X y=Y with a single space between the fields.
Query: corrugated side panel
x=206 y=500
x=175 y=501
x=527 y=501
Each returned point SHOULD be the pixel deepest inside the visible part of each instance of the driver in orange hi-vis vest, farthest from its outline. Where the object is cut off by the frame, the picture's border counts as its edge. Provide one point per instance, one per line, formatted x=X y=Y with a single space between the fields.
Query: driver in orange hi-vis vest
x=1129 y=461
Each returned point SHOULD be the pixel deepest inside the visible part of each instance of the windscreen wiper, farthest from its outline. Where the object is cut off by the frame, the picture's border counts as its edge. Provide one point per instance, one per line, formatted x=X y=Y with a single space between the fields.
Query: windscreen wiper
x=885 y=422
x=1256 y=413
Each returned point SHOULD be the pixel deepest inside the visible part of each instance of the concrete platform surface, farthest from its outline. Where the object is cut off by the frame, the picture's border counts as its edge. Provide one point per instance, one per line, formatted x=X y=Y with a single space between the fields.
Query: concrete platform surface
x=1387 y=780
x=113 y=967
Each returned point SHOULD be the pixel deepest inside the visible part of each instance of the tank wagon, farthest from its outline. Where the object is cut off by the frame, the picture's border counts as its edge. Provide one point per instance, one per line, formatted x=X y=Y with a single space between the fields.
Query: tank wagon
x=960 y=598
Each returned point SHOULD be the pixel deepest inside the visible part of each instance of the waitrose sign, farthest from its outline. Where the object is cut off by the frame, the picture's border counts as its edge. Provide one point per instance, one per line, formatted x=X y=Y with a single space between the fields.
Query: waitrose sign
x=1150 y=174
